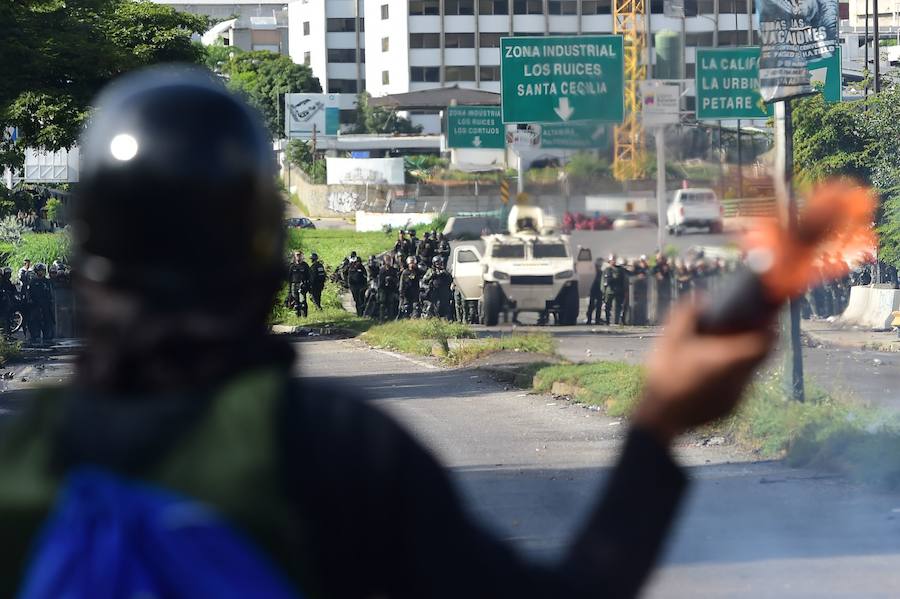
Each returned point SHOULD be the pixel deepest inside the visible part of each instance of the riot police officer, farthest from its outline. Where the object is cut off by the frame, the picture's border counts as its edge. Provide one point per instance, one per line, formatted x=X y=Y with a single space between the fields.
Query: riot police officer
x=412 y=244
x=8 y=298
x=426 y=250
x=409 y=289
x=595 y=303
x=317 y=278
x=41 y=309
x=443 y=248
x=388 y=289
x=614 y=290
x=298 y=277
x=438 y=282
x=638 y=283
x=662 y=276
x=357 y=282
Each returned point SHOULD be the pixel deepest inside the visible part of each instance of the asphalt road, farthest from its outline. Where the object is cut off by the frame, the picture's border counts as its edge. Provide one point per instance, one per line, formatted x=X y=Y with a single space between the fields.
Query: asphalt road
x=870 y=376
x=529 y=466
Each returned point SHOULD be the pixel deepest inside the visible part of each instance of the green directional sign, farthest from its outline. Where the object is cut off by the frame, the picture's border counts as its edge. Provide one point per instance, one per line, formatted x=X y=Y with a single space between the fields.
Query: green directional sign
x=558 y=79
x=575 y=136
x=728 y=84
x=475 y=127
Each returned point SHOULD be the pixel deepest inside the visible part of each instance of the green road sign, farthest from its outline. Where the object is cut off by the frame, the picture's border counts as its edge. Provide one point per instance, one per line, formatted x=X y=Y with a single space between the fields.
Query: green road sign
x=561 y=79
x=828 y=72
x=728 y=84
x=575 y=136
x=475 y=127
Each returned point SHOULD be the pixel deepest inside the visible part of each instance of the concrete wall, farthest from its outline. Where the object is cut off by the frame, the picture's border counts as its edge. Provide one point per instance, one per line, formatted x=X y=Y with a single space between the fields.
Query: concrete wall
x=871 y=307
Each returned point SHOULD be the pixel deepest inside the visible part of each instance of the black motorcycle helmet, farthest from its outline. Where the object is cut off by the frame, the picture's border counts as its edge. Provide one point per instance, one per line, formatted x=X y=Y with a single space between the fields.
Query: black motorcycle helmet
x=177 y=172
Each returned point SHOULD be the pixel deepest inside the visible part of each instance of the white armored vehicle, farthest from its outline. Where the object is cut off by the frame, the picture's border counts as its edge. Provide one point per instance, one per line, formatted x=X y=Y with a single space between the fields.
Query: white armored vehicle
x=531 y=269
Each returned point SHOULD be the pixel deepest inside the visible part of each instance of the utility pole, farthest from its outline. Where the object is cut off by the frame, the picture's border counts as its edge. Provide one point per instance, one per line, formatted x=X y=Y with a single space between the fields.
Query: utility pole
x=866 y=47
x=787 y=211
x=877 y=48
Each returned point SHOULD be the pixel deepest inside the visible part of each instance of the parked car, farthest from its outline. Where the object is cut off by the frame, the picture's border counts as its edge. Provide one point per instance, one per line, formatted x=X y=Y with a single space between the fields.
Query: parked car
x=694 y=207
x=633 y=220
x=299 y=223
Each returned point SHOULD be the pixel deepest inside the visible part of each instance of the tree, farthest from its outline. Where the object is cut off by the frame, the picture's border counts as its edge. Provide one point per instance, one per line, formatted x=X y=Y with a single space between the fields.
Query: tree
x=856 y=139
x=263 y=78
x=58 y=54
x=377 y=120
x=300 y=154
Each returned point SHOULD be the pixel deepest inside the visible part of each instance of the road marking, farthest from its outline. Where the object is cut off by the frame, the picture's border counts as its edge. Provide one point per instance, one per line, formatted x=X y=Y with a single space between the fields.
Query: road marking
x=407 y=359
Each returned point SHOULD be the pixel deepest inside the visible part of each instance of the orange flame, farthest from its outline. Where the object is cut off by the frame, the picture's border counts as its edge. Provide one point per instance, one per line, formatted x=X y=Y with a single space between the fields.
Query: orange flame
x=834 y=231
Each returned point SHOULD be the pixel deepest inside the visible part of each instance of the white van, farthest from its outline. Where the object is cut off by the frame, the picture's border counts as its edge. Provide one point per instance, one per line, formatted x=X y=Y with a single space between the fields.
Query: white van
x=694 y=207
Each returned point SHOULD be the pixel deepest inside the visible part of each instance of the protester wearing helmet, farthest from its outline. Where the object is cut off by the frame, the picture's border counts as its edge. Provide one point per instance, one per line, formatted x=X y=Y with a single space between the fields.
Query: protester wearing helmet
x=41 y=306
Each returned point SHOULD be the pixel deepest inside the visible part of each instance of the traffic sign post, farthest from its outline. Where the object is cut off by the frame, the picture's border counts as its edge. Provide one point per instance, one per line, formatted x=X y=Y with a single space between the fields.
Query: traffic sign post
x=558 y=79
x=581 y=135
x=478 y=127
x=728 y=84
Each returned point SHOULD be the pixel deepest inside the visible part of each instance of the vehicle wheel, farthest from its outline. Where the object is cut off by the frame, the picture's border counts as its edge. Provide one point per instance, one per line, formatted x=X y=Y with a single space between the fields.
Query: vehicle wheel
x=678 y=231
x=491 y=304
x=716 y=227
x=568 y=307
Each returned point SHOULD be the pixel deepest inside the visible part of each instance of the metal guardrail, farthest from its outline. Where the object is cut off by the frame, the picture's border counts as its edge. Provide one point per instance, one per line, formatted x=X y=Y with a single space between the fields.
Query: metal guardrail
x=759 y=207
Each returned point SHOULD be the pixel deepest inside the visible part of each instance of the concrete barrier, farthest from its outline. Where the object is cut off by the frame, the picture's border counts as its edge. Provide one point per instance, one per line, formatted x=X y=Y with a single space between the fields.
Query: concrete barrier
x=871 y=307
x=375 y=221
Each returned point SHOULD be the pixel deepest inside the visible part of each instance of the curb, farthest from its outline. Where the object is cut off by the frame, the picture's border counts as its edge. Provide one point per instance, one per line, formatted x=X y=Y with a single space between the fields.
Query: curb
x=824 y=341
x=283 y=329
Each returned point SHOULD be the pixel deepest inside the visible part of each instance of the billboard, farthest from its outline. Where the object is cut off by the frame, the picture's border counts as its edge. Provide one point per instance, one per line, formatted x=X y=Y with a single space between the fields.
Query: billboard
x=794 y=33
x=305 y=113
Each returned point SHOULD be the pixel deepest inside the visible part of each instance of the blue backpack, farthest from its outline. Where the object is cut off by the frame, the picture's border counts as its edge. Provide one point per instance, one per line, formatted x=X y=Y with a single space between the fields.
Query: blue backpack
x=113 y=538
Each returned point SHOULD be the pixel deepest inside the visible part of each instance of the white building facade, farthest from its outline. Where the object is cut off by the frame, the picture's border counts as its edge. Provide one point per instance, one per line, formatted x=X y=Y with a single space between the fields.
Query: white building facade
x=421 y=44
x=329 y=36
x=251 y=24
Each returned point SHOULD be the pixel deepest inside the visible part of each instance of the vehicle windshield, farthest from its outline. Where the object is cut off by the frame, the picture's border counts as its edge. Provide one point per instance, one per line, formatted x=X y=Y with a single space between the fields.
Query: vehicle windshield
x=508 y=250
x=697 y=197
x=549 y=250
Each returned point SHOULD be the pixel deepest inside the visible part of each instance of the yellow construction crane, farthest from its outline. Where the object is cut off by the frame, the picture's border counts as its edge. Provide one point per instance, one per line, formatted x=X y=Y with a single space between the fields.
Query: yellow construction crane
x=629 y=20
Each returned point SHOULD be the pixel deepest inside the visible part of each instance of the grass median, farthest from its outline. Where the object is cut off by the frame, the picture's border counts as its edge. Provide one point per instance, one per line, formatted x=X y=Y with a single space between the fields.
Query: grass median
x=453 y=342
x=829 y=431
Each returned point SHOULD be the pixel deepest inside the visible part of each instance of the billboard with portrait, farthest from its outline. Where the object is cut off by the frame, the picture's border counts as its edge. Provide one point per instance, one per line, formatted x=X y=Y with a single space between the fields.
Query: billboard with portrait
x=792 y=34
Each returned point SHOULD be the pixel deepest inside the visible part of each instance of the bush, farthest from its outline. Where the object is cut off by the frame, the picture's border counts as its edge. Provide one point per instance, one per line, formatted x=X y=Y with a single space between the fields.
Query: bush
x=615 y=386
x=40 y=247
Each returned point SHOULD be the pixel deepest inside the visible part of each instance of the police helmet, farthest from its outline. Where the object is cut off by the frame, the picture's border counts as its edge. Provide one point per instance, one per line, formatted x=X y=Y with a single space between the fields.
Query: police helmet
x=314 y=256
x=7 y=271
x=411 y=260
x=412 y=231
x=438 y=261
x=171 y=147
x=40 y=267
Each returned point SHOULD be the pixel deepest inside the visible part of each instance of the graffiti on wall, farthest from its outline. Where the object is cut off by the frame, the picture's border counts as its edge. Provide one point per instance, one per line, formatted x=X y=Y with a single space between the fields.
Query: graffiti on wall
x=344 y=201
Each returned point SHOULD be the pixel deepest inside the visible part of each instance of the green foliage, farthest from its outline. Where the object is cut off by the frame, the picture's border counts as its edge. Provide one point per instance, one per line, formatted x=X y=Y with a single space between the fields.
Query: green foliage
x=889 y=229
x=585 y=166
x=468 y=350
x=616 y=386
x=57 y=55
x=300 y=154
x=40 y=247
x=376 y=120
x=421 y=167
x=423 y=337
x=11 y=231
x=55 y=210
x=262 y=78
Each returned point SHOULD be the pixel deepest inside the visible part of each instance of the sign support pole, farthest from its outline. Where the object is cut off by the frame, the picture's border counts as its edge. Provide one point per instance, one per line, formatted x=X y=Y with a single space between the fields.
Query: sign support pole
x=661 y=188
x=787 y=208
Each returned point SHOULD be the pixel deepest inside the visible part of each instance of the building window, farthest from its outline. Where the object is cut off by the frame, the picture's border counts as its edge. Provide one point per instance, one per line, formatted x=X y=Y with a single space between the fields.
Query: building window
x=493 y=7
x=563 y=7
x=491 y=73
x=424 y=7
x=343 y=55
x=337 y=25
x=425 y=74
x=528 y=7
x=385 y=12
x=596 y=7
x=490 y=40
x=342 y=86
x=424 y=40
x=385 y=77
x=459 y=40
x=305 y=27
x=459 y=7
x=385 y=44
x=307 y=58
x=459 y=73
